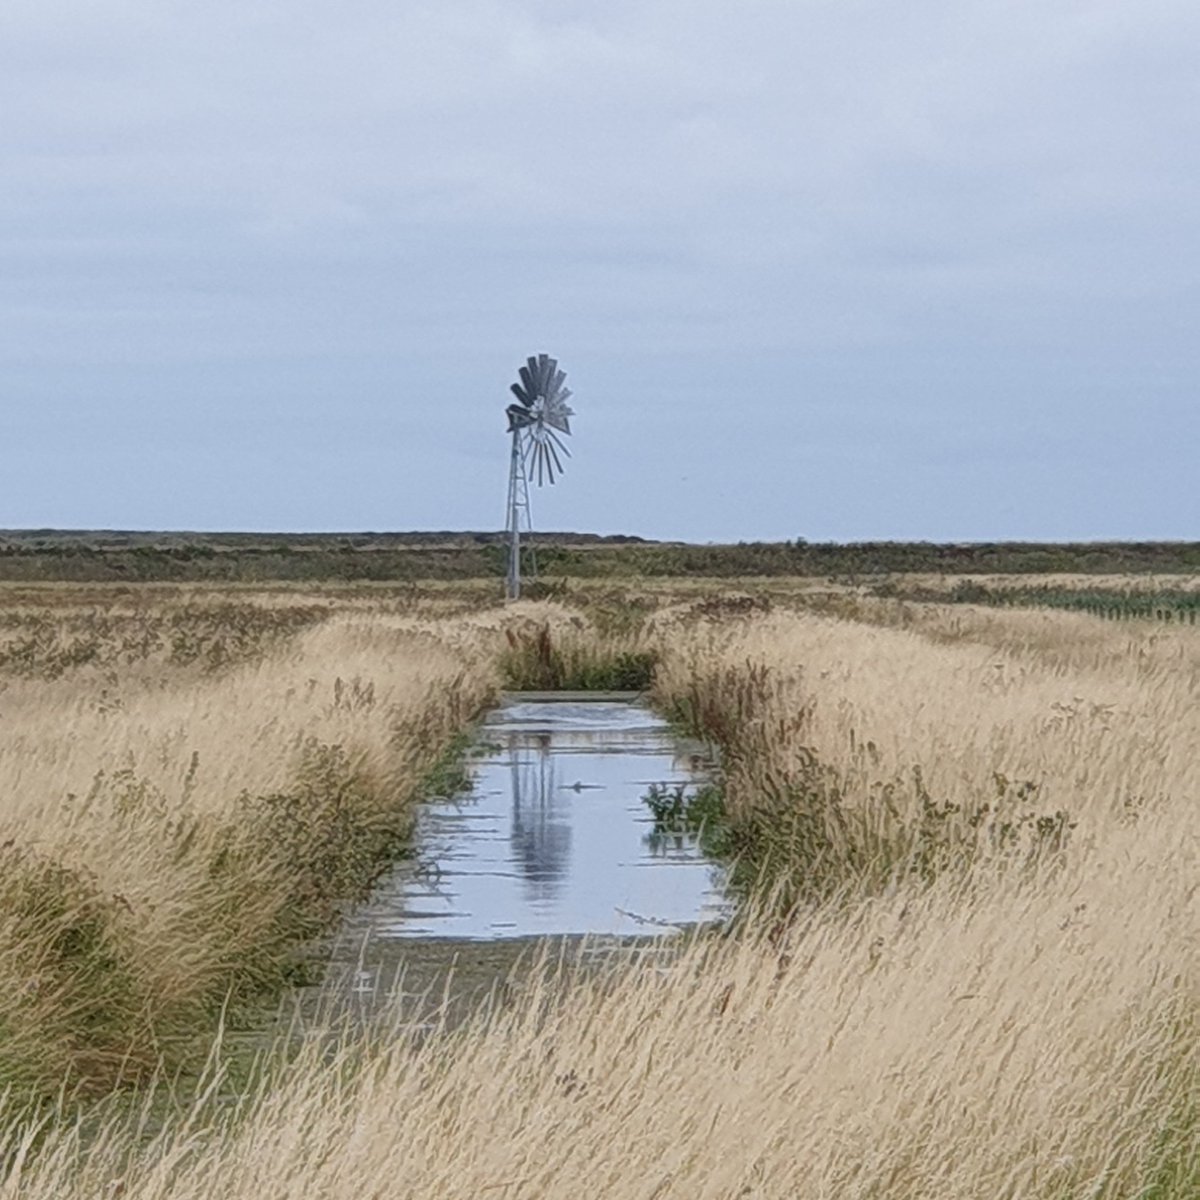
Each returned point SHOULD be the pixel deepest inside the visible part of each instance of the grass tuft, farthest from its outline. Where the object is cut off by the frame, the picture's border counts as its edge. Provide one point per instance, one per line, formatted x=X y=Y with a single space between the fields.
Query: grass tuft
x=536 y=659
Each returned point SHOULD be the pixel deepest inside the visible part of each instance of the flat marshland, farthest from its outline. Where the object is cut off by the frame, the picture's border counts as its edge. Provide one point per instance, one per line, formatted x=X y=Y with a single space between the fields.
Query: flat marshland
x=966 y=961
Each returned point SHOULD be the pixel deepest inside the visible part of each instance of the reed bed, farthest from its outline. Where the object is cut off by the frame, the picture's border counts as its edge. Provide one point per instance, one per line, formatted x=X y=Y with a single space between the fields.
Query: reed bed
x=967 y=964
x=863 y=749
x=177 y=819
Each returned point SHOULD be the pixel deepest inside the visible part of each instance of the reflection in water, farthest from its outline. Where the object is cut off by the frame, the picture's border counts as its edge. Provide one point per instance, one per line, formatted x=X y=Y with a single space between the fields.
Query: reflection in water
x=663 y=843
x=541 y=828
x=553 y=837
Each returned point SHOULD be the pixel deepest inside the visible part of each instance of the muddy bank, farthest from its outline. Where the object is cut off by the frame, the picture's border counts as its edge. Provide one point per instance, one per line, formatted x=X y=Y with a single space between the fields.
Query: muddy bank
x=430 y=983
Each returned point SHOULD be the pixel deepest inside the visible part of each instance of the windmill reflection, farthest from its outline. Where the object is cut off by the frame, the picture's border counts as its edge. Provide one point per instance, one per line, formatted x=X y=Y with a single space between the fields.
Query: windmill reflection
x=541 y=829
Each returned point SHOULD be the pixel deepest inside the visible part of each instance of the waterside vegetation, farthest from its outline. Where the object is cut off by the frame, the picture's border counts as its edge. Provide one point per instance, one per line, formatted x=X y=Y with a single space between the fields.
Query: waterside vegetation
x=964 y=837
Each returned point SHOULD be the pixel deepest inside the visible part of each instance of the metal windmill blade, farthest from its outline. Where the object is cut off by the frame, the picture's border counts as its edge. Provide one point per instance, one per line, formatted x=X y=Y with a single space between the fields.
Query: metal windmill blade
x=543 y=443
x=544 y=447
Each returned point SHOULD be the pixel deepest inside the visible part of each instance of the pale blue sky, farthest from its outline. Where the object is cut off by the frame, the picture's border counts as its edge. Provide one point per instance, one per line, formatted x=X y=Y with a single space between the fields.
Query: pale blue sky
x=822 y=268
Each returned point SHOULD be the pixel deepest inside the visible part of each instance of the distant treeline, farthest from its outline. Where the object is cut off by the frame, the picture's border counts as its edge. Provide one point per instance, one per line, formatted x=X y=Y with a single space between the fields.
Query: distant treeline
x=108 y=556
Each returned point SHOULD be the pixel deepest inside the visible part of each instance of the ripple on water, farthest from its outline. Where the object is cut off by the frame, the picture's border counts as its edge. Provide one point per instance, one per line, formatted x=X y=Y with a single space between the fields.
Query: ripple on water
x=553 y=838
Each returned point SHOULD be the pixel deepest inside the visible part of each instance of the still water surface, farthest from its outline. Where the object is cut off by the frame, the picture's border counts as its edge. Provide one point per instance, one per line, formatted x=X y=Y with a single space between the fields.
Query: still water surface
x=554 y=837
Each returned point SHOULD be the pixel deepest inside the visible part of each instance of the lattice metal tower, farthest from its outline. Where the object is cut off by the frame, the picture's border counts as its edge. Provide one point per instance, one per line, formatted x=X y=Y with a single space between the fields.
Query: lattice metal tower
x=538 y=423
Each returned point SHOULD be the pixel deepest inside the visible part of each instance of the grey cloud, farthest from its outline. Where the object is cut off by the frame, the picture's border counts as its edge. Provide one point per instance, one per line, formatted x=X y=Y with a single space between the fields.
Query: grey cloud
x=854 y=221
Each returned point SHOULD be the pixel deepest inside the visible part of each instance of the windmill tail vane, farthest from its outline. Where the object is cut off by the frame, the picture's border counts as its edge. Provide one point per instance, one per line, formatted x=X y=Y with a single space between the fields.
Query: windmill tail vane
x=538 y=424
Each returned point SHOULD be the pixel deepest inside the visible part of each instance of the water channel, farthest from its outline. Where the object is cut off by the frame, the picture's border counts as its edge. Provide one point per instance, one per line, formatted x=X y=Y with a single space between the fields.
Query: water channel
x=553 y=839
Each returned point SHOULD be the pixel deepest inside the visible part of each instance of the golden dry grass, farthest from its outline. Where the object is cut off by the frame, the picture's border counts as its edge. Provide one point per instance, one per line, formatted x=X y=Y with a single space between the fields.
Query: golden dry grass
x=1019 y=1022
x=1140 y=582
x=161 y=795
x=1098 y=715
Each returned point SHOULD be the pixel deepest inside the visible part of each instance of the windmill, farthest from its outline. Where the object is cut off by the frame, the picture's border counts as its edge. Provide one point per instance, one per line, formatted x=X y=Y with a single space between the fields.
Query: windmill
x=536 y=423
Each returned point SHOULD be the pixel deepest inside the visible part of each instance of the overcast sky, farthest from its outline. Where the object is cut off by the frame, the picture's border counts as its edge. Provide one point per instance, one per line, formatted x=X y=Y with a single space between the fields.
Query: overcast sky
x=836 y=269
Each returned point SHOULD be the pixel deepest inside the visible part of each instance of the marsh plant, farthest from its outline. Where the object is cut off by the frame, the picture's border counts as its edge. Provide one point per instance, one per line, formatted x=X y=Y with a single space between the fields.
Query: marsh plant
x=190 y=801
x=965 y=965
x=539 y=658
x=791 y=821
x=693 y=812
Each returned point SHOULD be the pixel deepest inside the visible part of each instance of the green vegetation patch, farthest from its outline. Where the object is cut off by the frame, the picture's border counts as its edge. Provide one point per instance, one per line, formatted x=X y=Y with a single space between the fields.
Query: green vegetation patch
x=536 y=660
x=700 y=812
x=1163 y=604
